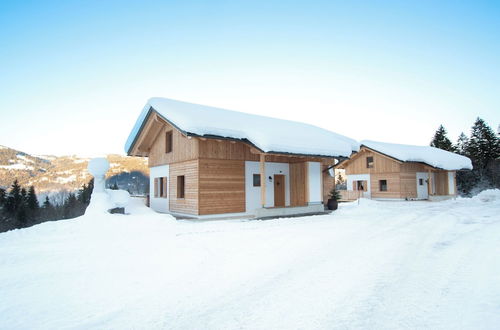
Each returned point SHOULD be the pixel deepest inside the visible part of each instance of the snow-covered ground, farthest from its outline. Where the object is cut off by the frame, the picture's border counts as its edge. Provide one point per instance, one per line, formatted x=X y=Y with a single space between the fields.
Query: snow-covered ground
x=376 y=265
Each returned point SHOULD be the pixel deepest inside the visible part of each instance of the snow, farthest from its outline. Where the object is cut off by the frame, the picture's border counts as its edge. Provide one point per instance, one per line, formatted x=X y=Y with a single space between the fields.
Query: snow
x=63 y=180
x=429 y=155
x=17 y=167
x=98 y=166
x=268 y=134
x=24 y=158
x=376 y=265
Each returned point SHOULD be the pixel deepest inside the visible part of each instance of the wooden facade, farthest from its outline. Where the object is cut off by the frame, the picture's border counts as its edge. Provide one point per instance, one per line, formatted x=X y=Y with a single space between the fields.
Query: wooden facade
x=214 y=169
x=400 y=178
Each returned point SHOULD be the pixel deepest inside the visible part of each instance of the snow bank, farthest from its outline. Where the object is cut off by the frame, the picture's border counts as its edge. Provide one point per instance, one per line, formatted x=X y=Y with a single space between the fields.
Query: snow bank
x=429 y=155
x=268 y=134
x=376 y=265
x=487 y=196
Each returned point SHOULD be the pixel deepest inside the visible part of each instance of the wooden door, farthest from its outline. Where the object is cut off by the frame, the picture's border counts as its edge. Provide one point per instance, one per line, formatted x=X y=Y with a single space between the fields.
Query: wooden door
x=279 y=190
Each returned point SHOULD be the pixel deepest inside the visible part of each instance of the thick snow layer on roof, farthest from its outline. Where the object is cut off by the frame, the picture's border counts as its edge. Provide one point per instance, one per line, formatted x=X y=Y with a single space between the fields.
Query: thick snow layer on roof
x=268 y=134
x=432 y=156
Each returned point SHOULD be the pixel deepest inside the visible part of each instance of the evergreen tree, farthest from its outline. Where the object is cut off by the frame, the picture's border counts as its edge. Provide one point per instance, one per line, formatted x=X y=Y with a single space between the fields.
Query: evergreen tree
x=483 y=146
x=461 y=146
x=14 y=199
x=441 y=141
x=3 y=197
x=32 y=200
x=46 y=203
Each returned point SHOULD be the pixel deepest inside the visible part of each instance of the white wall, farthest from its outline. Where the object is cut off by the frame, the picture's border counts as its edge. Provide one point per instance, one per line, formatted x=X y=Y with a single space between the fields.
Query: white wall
x=360 y=177
x=158 y=204
x=451 y=183
x=314 y=176
x=252 y=194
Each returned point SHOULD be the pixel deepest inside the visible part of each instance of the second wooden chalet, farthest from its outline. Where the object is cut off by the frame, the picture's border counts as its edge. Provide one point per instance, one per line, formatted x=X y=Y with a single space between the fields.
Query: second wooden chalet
x=206 y=161
x=396 y=171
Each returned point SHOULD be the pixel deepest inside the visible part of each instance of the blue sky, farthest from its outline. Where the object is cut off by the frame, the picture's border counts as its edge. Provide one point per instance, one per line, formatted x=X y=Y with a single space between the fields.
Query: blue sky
x=74 y=76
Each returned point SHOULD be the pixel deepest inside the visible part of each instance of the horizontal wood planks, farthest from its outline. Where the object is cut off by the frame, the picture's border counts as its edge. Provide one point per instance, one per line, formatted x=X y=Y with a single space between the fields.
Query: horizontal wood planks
x=183 y=148
x=222 y=186
x=188 y=204
x=393 y=185
x=381 y=164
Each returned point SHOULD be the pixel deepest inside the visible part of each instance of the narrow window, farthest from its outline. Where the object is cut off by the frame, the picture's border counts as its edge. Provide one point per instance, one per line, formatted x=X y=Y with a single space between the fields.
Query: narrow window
x=180 y=186
x=165 y=187
x=256 y=180
x=162 y=186
x=420 y=182
x=383 y=185
x=369 y=162
x=168 y=142
x=156 y=187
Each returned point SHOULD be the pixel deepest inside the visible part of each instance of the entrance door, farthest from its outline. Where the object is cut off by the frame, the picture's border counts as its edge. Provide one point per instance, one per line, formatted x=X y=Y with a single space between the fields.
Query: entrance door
x=422 y=190
x=279 y=190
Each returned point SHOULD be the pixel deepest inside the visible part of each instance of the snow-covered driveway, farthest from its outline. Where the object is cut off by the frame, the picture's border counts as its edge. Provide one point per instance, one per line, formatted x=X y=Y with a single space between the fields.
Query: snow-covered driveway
x=377 y=265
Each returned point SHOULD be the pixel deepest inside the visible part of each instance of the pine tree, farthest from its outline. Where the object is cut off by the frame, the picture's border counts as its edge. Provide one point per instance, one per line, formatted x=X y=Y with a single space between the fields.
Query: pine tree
x=461 y=145
x=3 y=197
x=46 y=203
x=14 y=198
x=32 y=200
x=441 y=141
x=483 y=145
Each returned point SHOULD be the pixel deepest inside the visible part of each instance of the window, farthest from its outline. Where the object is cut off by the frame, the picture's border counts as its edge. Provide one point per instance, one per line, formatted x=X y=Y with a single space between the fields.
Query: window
x=420 y=182
x=163 y=187
x=369 y=162
x=160 y=187
x=382 y=185
x=168 y=142
x=180 y=186
x=361 y=185
x=256 y=180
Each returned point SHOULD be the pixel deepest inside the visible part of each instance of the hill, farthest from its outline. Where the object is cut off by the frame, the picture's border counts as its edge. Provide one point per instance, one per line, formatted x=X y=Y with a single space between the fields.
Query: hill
x=51 y=174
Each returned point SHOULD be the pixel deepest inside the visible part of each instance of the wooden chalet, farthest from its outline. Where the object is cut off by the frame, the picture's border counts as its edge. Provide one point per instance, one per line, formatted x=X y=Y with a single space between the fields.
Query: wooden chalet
x=207 y=161
x=393 y=171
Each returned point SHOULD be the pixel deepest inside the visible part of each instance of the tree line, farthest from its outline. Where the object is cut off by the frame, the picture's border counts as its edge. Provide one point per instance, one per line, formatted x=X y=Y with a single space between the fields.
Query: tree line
x=19 y=207
x=482 y=146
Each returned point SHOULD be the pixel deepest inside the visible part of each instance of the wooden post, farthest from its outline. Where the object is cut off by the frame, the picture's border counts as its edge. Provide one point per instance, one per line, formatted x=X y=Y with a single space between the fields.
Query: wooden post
x=429 y=182
x=263 y=180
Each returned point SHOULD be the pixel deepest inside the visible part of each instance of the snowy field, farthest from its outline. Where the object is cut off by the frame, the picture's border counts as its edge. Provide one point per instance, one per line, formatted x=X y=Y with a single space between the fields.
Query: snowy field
x=377 y=265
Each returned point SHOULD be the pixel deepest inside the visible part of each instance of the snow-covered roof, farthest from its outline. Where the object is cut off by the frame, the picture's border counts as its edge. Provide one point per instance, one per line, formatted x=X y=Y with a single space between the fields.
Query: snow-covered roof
x=424 y=154
x=267 y=134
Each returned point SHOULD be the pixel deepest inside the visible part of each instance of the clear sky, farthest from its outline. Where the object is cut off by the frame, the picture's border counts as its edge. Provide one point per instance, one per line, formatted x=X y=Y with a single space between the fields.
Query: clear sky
x=74 y=75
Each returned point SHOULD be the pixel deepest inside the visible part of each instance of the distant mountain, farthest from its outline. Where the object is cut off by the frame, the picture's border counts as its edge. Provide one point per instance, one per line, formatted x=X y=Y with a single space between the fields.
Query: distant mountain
x=68 y=173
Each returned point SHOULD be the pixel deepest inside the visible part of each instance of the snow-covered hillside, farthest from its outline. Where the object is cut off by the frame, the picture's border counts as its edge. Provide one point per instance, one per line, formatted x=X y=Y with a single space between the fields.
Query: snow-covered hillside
x=377 y=265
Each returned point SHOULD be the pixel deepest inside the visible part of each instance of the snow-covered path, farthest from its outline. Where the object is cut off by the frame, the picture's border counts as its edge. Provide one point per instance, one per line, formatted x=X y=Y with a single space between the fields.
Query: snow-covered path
x=377 y=265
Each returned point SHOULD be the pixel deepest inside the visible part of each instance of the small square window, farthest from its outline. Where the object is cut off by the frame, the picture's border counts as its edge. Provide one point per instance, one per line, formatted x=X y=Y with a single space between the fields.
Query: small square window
x=256 y=180
x=383 y=185
x=369 y=162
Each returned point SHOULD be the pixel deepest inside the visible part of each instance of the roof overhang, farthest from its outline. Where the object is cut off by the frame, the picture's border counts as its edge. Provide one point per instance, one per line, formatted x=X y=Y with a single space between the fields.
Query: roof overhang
x=153 y=122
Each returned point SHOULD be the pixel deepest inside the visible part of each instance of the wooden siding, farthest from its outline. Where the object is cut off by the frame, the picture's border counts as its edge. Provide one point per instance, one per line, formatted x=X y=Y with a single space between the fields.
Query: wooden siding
x=188 y=204
x=381 y=164
x=183 y=148
x=298 y=185
x=328 y=182
x=393 y=185
x=222 y=186
x=441 y=182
